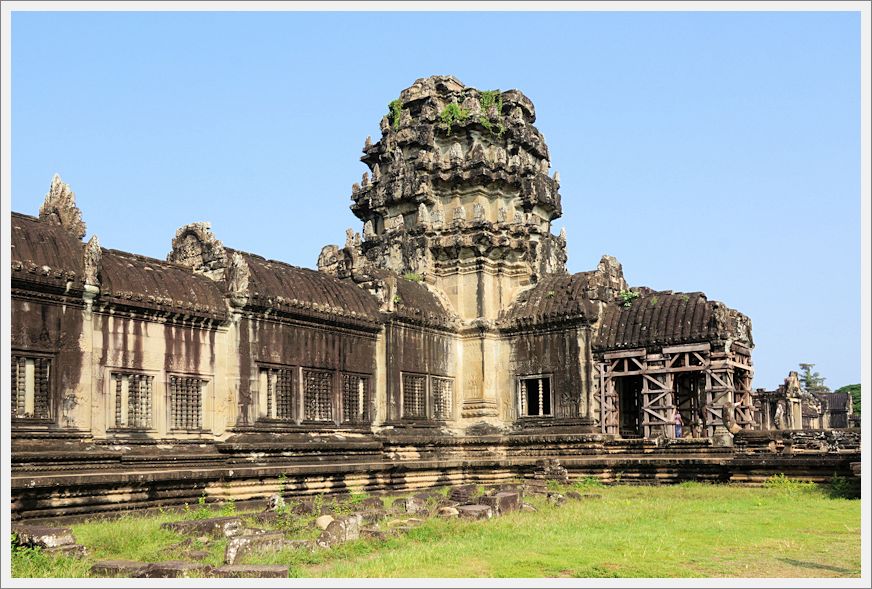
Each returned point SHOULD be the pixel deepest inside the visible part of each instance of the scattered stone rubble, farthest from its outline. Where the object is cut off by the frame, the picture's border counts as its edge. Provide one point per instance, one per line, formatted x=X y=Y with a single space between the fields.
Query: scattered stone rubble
x=372 y=520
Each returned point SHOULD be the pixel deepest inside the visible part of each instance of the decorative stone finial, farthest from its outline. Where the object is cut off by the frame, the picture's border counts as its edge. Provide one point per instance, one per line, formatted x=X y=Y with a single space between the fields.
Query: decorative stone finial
x=349 y=237
x=59 y=208
x=563 y=234
x=364 y=180
x=197 y=248
x=376 y=173
x=237 y=275
x=93 y=261
x=368 y=143
x=384 y=125
x=556 y=176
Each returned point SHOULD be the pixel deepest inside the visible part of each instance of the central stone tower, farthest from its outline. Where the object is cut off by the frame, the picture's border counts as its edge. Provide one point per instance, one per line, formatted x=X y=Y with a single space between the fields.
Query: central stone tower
x=460 y=196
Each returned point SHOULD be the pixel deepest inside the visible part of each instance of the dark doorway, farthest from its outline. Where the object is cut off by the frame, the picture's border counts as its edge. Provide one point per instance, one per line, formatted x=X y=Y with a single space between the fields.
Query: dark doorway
x=629 y=394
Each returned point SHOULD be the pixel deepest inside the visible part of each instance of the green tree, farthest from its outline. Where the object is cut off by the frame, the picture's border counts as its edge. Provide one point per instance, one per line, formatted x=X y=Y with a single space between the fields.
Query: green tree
x=812 y=382
x=854 y=391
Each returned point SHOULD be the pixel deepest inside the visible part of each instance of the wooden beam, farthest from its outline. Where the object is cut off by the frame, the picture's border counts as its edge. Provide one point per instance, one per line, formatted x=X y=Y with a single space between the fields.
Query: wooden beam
x=624 y=354
x=706 y=347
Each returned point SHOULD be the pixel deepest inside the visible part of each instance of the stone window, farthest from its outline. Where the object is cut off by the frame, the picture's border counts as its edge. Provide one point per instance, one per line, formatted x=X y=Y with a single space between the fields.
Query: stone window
x=535 y=396
x=414 y=396
x=133 y=394
x=317 y=395
x=279 y=384
x=31 y=387
x=355 y=398
x=186 y=402
x=443 y=392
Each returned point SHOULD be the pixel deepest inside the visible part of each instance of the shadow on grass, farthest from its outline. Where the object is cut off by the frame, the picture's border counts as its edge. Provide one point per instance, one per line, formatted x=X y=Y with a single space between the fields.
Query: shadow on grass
x=823 y=567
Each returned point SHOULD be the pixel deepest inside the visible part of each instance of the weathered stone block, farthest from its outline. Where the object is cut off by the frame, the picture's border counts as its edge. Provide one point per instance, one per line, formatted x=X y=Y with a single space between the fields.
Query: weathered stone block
x=475 y=511
x=118 y=568
x=240 y=545
x=174 y=569
x=213 y=526
x=372 y=503
x=372 y=534
x=266 y=517
x=322 y=521
x=304 y=507
x=371 y=517
x=341 y=530
x=409 y=505
x=463 y=493
x=447 y=512
x=43 y=536
x=252 y=571
x=72 y=550
x=502 y=502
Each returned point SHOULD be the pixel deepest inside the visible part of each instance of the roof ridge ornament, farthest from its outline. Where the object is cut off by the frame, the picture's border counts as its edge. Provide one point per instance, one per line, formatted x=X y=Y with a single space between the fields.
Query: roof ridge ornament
x=59 y=208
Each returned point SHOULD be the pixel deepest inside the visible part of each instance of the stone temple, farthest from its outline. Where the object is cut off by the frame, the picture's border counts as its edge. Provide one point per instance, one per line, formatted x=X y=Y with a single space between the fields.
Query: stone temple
x=444 y=342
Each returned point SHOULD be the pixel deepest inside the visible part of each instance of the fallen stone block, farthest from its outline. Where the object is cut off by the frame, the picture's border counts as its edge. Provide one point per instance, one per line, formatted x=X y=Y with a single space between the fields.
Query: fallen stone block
x=475 y=511
x=447 y=512
x=409 y=505
x=251 y=571
x=43 y=536
x=502 y=502
x=174 y=569
x=372 y=503
x=240 y=545
x=323 y=521
x=118 y=568
x=214 y=526
x=591 y=496
x=463 y=493
x=303 y=507
x=574 y=495
x=266 y=517
x=340 y=530
x=528 y=508
x=371 y=517
x=372 y=534
x=71 y=550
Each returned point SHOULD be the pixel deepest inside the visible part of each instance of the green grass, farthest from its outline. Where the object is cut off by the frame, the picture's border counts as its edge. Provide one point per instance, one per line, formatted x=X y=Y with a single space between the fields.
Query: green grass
x=785 y=529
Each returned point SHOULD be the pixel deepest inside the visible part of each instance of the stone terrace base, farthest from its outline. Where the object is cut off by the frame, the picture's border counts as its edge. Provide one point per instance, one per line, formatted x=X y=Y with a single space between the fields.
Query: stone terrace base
x=66 y=480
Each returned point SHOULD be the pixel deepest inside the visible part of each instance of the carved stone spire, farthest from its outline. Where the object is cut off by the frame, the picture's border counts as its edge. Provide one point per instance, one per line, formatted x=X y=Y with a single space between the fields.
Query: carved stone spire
x=59 y=208
x=93 y=261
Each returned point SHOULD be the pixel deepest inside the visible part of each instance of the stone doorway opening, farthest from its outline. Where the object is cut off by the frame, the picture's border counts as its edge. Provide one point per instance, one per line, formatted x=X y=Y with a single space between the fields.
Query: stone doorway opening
x=629 y=389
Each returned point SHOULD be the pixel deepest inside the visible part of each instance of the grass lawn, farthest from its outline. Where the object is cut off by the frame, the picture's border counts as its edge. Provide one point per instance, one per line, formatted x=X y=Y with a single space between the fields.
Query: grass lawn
x=787 y=529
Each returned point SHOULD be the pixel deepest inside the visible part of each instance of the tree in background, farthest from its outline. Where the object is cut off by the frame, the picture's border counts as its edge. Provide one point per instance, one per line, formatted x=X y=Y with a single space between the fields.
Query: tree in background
x=854 y=391
x=812 y=382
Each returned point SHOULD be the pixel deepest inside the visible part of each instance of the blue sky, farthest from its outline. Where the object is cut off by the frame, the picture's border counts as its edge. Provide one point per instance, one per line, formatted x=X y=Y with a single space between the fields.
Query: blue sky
x=714 y=152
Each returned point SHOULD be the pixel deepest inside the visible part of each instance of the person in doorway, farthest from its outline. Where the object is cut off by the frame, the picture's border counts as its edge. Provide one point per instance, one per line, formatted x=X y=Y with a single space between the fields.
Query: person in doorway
x=679 y=424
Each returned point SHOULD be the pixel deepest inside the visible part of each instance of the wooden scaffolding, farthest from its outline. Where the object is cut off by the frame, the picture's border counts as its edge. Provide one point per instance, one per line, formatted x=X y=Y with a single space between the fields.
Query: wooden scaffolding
x=727 y=377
